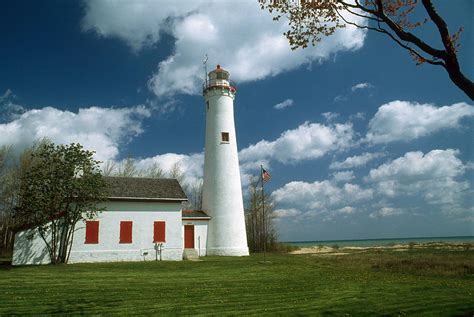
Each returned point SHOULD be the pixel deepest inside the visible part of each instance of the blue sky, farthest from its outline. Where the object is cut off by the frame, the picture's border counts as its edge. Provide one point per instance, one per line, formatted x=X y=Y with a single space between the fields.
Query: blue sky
x=363 y=144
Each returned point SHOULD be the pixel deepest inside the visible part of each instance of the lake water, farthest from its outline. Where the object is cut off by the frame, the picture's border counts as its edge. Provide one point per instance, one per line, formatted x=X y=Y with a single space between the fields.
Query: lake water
x=380 y=242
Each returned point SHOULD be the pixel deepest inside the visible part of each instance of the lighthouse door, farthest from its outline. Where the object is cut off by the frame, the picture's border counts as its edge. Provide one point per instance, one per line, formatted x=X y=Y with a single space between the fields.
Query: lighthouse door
x=189 y=236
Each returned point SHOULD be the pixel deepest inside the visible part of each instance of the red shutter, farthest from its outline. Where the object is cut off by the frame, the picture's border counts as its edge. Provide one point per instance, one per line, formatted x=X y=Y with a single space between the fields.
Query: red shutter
x=159 y=233
x=92 y=232
x=126 y=231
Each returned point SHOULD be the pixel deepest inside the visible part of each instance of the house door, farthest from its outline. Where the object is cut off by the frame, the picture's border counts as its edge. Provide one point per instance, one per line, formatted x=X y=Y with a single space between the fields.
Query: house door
x=189 y=236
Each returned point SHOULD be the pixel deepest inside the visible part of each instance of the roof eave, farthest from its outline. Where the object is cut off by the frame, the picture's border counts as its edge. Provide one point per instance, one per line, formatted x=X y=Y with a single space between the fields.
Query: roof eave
x=148 y=199
x=196 y=218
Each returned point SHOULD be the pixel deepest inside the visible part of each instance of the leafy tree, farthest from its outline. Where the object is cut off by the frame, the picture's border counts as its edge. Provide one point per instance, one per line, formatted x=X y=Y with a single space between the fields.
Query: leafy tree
x=310 y=20
x=62 y=186
x=259 y=224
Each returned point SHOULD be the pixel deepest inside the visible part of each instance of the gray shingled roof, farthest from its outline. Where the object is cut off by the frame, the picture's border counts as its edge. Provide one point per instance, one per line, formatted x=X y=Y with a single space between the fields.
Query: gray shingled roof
x=194 y=214
x=135 y=188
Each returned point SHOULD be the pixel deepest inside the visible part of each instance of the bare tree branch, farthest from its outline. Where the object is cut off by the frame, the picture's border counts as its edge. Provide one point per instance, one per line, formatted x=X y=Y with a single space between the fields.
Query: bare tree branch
x=309 y=21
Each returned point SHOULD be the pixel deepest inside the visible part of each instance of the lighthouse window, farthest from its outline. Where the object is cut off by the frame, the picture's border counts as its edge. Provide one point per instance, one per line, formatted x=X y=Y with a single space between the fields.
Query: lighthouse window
x=207 y=103
x=225 y=137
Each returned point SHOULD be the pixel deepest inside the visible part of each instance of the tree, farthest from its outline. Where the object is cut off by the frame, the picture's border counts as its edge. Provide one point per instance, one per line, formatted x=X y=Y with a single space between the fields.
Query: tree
x=310 y=20
x=12 y=170
x=154 y=171
x=62 y=186
x=128 y=168
x=108 y=168
x=260 y=228
x=6 y=219
x=194 y=193
x=177 y=172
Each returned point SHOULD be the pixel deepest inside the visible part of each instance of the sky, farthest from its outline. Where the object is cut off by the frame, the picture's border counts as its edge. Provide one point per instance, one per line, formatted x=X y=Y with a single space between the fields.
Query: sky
x=360 y=141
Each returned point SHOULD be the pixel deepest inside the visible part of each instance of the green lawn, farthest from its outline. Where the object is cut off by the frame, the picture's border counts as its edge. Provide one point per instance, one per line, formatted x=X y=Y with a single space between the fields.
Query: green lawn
x=416 y=282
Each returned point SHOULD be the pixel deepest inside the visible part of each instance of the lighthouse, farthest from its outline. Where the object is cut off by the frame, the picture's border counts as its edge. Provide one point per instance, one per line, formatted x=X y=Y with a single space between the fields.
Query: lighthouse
x=222 y=190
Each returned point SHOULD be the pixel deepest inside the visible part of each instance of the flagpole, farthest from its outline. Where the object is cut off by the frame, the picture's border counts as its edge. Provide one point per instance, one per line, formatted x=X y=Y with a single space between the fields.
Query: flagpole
x=263 y=212
x=205 y=69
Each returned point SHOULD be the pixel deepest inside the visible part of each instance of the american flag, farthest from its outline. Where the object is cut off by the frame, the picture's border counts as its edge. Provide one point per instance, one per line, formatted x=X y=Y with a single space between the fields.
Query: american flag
x=266 y=176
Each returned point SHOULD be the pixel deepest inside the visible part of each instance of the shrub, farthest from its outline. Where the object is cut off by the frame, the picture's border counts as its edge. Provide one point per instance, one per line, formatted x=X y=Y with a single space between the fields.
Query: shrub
x=335 y=247
x=411 y=245
x=281 y=247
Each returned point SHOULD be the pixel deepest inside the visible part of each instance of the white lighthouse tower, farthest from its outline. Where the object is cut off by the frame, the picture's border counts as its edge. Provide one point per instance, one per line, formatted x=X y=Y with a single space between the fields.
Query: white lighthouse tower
x=222 y=190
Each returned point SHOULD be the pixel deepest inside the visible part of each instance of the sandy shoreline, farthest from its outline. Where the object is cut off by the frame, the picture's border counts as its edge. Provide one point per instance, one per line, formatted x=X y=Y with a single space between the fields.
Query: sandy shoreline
x=325 y=250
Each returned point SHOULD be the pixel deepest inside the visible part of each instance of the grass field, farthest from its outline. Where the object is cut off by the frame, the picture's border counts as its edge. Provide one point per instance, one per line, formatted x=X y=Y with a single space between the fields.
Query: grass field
x=426 y=282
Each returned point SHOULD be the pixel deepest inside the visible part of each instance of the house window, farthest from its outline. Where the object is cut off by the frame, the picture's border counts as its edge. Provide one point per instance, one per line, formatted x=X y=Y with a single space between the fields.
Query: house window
x=92 y=232
x=159 y=231
x=126 y=231
x=225 y=137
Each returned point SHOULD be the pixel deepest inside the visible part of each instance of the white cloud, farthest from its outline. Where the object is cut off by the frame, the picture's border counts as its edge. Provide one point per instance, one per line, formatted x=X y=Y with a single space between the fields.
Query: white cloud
x=386 y=212
x=284 y=104
x=316 y=198
x=361 y=86
x=9 y=109
x=415 y=166
x=99 y=129
x=330 y=116
x=343 y=176
x=308 y=141
x=191 y=165
x=356 y=161
x=8 y=93
x=286 y=213
x=431 y=177
x=432 y=181
x=339 y=98
x=238 y=35
x=138 y=23
x=358 y=115
x=347 y=210
x=403 y=120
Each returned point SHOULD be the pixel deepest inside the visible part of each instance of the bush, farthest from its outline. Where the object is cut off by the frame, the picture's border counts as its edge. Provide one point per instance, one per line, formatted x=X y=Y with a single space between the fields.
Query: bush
x=335 y=247
x=411 y=245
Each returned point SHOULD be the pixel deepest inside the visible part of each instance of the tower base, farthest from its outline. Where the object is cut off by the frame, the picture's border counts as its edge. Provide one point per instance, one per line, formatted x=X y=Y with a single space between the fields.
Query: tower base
x=228 y=251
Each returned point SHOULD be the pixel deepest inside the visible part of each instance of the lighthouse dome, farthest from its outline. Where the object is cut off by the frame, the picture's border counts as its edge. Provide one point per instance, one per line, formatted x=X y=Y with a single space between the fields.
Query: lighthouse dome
x=219 y=73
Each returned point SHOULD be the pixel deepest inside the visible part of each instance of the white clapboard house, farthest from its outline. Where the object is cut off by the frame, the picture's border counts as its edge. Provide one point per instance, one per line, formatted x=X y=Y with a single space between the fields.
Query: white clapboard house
x=143 y=221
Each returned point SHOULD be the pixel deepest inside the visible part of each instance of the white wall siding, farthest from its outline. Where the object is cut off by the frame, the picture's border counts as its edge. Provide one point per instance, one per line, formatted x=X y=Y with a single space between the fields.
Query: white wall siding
x=200 y=234
x=142 y=214
x=29 y=248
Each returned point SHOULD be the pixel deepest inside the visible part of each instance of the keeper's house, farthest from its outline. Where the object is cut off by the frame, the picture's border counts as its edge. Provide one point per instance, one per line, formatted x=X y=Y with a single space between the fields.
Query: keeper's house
x=141 y=214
